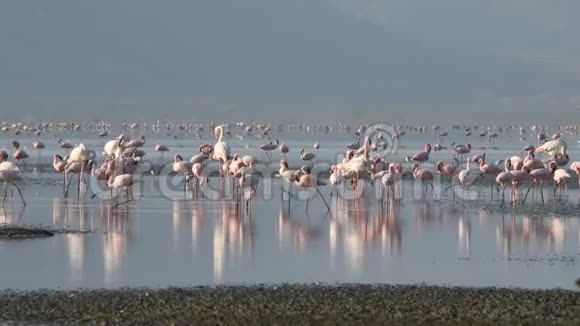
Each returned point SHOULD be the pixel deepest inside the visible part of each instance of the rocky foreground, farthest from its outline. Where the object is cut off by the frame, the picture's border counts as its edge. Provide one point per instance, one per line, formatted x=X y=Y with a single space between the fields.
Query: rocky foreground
x=295 y=304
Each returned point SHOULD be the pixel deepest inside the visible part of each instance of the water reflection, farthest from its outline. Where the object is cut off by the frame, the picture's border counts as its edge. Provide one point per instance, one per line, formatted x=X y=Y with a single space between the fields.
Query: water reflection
x=72 y=215
x=534 y=236
x=358 y=238
x=117 y=224
x=11 y=214
x=297 y=231
x=197 y=220
x=233 y=237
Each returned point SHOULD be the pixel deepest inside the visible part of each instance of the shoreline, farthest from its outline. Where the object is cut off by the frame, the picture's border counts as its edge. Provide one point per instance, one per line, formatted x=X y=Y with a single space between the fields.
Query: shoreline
x=295 y=304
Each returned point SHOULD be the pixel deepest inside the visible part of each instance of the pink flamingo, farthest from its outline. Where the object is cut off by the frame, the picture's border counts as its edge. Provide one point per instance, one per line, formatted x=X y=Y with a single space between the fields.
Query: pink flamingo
x=422 y=156
x=199 y=176
x=446 y=169
x=531 y=163
x=561 y=178
x=575 y=166
x=489 y=169
x=161 y=149
x=518 y=177
x=503 y=179
x=182 y=167
x=425 y=176
x=308 y=181
x=538 y=177
x=461 y=150
x=19 y=154
x=514 y=163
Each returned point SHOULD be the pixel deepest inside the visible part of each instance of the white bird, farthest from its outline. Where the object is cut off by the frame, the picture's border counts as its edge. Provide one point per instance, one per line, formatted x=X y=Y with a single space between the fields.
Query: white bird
x=114 y=148
x=10 y=177
x=8 y=166
x=557 y=147
x=467 y=176
x=79 y=155
x=121 y=182
x=221 y=149
x=561 y=178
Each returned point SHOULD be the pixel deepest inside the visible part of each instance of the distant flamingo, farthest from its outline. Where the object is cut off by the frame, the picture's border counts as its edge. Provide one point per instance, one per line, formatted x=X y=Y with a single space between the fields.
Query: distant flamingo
x=19 y=154
x=38 y=145
x=306 y=156
x=284 y=149
x=422 y=156
x=461 y=150
x=136 y=142
x=161 y=149
x=268 y=148
x=65 y=145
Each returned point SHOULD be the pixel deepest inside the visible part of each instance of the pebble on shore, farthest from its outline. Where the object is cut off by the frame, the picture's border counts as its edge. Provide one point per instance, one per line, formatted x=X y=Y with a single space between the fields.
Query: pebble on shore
x=296 y=304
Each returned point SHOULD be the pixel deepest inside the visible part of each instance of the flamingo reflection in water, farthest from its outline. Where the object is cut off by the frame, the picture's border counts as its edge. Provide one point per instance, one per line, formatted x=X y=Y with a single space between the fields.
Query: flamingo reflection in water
x=118 y=227
x=233 y=234
x=545 y=236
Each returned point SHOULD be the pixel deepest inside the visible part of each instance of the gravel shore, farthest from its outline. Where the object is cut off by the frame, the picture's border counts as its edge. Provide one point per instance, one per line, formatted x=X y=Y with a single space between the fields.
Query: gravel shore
x=295 y=304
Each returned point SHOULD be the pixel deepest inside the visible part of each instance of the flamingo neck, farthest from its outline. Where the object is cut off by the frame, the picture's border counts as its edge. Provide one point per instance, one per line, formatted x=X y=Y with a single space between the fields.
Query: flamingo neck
x=220 y=134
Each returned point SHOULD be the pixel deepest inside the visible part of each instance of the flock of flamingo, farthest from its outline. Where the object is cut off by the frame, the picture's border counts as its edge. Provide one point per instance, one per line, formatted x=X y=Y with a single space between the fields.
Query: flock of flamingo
x=364 y=161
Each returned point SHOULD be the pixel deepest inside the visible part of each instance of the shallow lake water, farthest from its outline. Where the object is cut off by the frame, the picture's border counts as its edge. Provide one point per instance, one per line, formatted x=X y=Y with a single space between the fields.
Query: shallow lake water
x=166 y=238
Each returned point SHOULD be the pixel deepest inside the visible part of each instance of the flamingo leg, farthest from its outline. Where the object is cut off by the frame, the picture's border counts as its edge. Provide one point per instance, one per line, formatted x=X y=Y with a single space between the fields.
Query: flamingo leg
x=67 y=186
x=5 y=195
x=527 y=192
x=433 y=189
x=324 y=200
x=20 y=193
x=79 y=181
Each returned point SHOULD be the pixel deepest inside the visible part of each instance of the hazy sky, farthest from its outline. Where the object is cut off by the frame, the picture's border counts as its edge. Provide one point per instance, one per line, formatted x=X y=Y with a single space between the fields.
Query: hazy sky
x=288 y=60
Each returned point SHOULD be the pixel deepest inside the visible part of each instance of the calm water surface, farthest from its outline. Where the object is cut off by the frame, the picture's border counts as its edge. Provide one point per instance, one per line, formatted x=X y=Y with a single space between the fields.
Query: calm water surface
x=162 y=240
